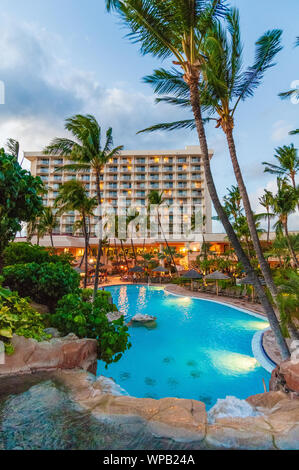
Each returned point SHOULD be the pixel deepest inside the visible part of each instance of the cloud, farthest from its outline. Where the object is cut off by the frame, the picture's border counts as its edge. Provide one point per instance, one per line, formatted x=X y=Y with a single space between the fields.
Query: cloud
x=281 y=130
x=43 y=88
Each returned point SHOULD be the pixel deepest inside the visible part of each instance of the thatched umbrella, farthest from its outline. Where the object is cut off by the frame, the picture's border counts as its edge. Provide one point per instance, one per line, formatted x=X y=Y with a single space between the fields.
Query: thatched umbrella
x=249 y=282
x=136 y=269
x=192 y=274
x=217 y=276
x=160 y=269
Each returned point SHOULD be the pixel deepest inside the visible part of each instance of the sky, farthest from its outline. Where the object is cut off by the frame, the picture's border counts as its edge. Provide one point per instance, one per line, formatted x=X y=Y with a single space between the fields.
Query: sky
x=63 y=57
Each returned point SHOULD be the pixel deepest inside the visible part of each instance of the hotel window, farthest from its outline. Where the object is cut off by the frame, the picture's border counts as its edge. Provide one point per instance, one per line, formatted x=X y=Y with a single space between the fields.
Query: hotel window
x=182 y=160
x=58 y=161
x=58 y=177
x=85 y=177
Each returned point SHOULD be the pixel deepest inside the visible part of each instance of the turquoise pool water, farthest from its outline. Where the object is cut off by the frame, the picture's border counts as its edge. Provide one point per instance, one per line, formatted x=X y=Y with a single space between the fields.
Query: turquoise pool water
x=199 y=349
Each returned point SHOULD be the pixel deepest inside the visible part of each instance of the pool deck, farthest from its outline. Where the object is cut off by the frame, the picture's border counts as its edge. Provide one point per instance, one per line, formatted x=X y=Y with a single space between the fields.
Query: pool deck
x=269 y=343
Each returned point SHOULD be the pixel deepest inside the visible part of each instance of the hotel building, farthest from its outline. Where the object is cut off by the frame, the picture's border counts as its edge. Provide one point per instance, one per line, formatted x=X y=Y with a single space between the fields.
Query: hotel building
x=132 y=175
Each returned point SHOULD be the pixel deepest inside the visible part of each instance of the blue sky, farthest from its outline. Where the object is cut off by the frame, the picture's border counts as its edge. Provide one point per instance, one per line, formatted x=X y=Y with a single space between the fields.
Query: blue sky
x=60 y=57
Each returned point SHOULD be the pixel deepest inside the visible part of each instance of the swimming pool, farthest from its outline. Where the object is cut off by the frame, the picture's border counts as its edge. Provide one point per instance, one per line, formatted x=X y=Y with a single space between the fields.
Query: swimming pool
x=199 y=349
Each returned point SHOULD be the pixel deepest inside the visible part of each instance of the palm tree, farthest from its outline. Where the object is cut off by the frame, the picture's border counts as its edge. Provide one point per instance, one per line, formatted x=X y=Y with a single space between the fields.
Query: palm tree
x=266 y=201
x=288 y=163
x=156 y=199
x=73 y=197
x=13 y=148
x=87 y=154
x=47 y=223
x=224 y=85
x=189 y=32
x=284 y=203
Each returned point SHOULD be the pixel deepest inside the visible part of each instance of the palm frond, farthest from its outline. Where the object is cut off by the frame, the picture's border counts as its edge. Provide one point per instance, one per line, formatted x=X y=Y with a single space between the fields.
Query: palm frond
x=13 y=147
x=295 y=132
x=168 y=81
x=288 y=94
x=59 y=146
x=73 y=167
x=267 y=47
x=170 y=126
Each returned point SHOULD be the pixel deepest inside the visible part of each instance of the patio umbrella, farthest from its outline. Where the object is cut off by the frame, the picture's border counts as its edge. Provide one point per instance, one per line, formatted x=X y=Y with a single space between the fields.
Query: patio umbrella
x=249 y=281
x=217 y=276
x=136 y=269
x=160 y=269
x=192 y=274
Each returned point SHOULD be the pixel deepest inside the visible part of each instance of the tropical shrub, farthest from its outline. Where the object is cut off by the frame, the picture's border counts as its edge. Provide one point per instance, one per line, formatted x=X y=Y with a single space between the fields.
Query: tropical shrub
x=44 y=283
x=19 y=318
x=22 y=253
x=20 y=198
x=76 y=314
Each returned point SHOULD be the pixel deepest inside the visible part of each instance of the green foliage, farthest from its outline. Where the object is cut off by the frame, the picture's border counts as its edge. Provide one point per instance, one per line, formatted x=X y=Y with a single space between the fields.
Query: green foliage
x=22 y=253
x=287 y=282
x=19 y=318
x=45 y=283
x=20 y=197
x=76 y=314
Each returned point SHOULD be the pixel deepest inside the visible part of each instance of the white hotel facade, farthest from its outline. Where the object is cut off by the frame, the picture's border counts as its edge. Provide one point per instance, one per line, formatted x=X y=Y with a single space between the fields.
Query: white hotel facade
x=130 y=176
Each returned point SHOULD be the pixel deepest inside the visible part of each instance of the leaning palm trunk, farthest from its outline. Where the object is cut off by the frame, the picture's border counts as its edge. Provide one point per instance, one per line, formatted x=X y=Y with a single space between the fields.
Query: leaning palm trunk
x=192 y=81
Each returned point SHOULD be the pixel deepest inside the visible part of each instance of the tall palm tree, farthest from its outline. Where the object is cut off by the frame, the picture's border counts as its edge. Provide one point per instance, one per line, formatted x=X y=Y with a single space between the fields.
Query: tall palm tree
x=178 y=29
x=72 y=196
x=47 y=223
x=223 y=86
x=288 y=164
x=156 y=199
x=266 y=201
x=87 y=154
x=284 y=203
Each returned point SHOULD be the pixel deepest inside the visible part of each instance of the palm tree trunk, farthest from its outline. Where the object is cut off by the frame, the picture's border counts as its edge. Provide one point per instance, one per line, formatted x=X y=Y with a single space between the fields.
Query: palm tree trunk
x=192 y=81
x=96 y=276
x=133 y=249
x=124 y=253
x=294 y=184
x=291 y=249
x=86 y=250
x=268 y=230
x=168 y=248
x=51 y=238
